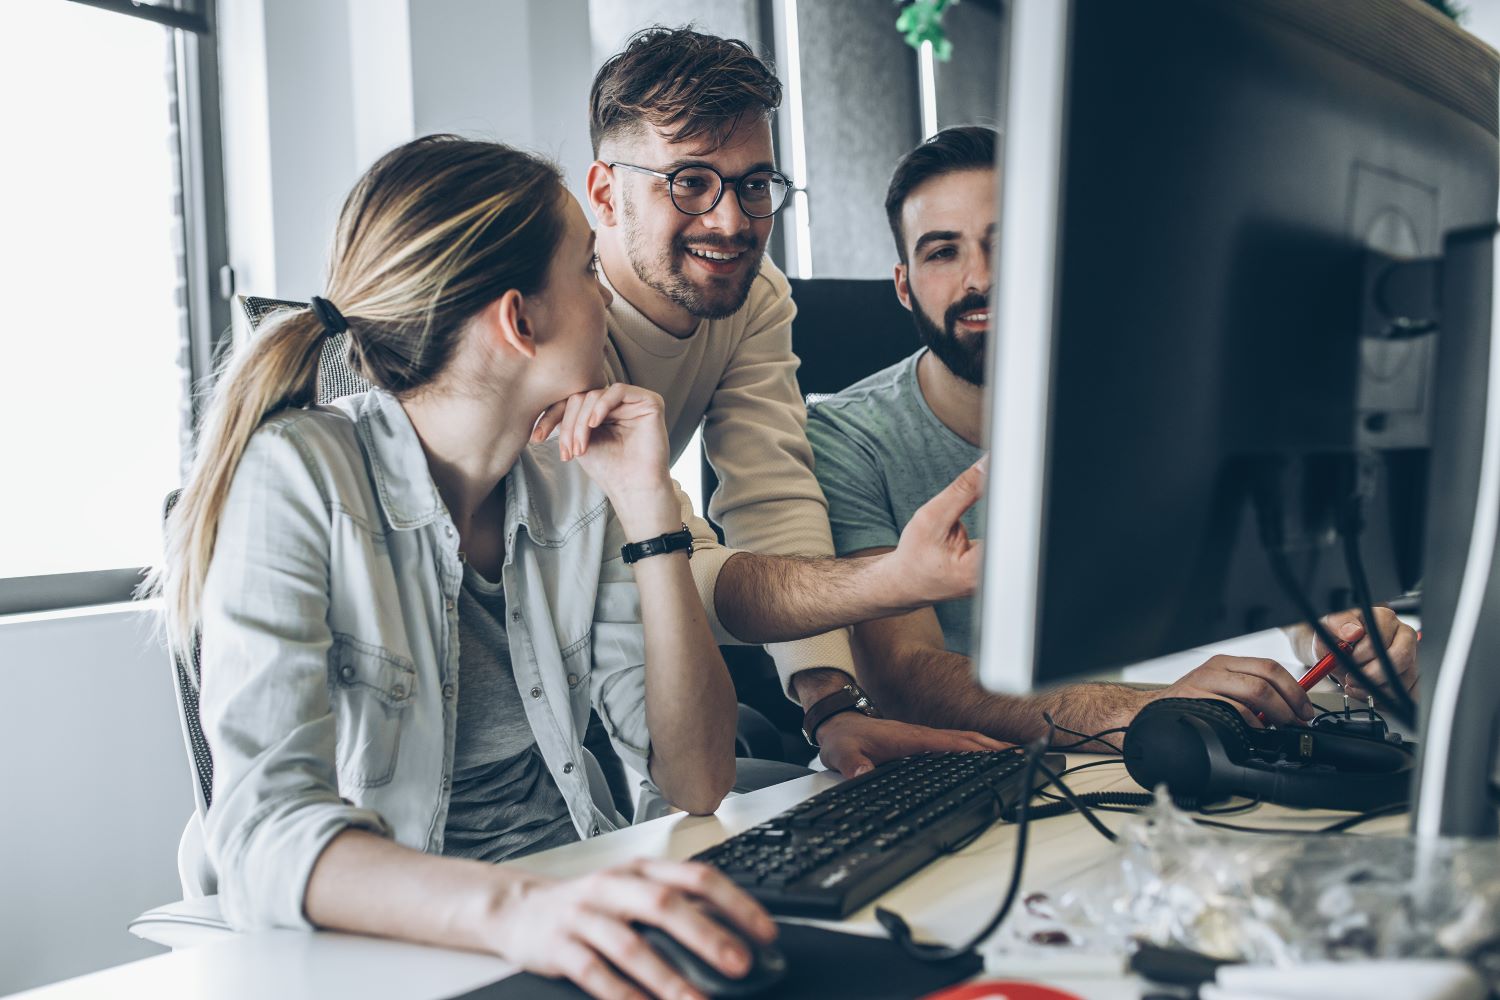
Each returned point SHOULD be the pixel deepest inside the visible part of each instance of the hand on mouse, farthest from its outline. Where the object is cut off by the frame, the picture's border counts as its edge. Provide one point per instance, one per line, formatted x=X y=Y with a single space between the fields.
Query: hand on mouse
x=580 y=928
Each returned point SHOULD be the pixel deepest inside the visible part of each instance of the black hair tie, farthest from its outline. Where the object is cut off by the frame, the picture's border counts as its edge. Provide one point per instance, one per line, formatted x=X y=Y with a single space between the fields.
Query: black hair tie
x=328 y=314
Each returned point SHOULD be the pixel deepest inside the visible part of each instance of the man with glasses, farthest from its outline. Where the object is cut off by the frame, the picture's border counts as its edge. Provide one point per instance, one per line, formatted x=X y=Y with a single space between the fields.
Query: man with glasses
x=684 y=189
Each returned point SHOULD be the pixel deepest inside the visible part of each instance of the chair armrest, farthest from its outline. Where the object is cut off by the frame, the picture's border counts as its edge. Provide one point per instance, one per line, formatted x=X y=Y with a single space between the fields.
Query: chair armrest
x=186 y=923
x=755 y=736
x=752 y=775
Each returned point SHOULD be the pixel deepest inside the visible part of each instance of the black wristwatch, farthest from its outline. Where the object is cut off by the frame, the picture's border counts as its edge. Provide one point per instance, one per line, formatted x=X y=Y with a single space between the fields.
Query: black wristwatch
x=672 y=541
x=849 y=698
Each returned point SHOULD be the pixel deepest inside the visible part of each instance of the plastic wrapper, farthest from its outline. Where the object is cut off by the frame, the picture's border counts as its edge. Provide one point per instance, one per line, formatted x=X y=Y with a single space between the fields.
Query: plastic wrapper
x=1270 y=898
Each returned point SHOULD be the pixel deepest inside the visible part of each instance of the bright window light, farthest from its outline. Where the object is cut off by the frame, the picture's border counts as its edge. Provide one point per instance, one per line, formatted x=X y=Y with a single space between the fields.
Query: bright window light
x=90 y=415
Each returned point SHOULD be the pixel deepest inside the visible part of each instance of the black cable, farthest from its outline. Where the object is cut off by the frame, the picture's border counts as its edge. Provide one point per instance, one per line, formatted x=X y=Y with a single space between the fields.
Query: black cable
x=1347 y=823
x=1084 y=738
x=1106 y=798
x=1268 y=515
x=1084 y=767
x=1369 y=714
x=1244 y=807
x=1121 y=802
x=1350 y=531
x=1394 y=809
x=1293 y=590
x=900 y=931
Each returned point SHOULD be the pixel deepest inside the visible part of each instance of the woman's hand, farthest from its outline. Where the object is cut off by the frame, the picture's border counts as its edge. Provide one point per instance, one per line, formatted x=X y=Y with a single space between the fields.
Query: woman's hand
x=619 y=436
x=581 y=928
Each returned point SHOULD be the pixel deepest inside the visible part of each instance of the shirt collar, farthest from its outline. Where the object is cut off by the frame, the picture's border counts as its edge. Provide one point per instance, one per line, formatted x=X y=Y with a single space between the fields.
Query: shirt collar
x=408 y=496
x=410 y=499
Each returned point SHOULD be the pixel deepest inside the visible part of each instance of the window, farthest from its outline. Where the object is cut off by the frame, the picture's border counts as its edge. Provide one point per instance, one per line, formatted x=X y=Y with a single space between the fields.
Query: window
x=111 y=193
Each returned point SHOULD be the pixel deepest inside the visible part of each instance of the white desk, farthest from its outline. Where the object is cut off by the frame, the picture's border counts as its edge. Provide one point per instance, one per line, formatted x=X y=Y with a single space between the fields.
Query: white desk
x=947 y=901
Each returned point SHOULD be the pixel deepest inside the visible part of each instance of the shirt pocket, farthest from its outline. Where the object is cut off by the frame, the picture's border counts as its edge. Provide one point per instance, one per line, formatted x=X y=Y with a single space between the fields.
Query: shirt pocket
x=578 y=665
x=371 y=690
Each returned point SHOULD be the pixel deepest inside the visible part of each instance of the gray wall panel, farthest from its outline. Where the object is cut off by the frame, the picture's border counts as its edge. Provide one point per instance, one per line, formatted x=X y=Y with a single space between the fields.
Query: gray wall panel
x=860 y=112
x=969 y=82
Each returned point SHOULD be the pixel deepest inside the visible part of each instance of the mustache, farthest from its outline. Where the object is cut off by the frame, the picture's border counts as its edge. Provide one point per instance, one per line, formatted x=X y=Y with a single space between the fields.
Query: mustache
x=715 y=242
x=969 y=303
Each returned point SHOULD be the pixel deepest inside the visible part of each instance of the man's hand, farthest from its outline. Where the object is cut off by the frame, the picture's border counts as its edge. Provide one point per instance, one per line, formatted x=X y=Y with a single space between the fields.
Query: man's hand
x=1399 y=638
x=852 y=743
x=1251 y=685
x=936 y=560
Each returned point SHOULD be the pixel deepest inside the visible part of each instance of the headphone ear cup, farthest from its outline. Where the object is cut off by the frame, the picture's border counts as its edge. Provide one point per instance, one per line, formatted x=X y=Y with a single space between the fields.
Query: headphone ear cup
x=1204 y=752
x=1179 y=741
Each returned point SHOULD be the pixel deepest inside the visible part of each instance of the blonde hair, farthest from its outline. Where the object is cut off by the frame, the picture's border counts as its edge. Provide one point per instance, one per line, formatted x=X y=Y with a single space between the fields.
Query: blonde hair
x=435 y=231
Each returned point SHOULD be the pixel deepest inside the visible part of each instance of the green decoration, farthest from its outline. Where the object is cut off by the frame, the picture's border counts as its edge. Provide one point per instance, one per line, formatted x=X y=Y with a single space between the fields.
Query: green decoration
x=1457 y=11
x=922 y=21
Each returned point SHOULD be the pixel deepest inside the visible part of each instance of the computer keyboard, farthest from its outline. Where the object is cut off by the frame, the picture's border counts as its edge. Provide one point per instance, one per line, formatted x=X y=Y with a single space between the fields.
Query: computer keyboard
x=830 y=855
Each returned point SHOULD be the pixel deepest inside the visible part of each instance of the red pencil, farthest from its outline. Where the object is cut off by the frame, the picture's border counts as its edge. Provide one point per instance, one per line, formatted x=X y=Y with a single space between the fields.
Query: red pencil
x=1321 y=669
x=1325 y=666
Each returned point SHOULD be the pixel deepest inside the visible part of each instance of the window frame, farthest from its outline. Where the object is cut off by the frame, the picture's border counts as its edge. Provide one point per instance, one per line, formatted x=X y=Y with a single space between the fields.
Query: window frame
x=208 y=280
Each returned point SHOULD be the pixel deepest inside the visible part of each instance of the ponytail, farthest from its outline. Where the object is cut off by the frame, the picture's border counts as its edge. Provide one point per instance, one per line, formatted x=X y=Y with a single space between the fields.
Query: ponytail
x=278 y=370
x=436 y=230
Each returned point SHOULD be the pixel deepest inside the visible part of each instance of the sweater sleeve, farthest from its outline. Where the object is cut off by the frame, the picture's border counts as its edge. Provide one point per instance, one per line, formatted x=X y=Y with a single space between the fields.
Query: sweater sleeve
x=755 y=434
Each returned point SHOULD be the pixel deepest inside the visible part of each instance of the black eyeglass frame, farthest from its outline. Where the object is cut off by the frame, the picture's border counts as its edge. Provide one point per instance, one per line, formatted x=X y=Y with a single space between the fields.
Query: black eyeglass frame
x=724 y=184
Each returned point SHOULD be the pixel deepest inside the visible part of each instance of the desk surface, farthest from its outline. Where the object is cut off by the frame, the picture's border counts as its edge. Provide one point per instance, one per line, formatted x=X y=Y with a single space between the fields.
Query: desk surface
x=947 y=901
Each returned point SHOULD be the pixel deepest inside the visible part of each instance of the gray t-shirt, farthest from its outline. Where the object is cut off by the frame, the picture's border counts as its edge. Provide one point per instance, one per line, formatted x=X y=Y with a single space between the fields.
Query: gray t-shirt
x=504 y=802
x=880 y=454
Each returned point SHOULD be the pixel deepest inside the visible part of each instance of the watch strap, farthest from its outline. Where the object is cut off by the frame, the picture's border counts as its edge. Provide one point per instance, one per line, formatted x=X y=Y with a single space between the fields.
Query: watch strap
x=672 y=541
x=848 y=698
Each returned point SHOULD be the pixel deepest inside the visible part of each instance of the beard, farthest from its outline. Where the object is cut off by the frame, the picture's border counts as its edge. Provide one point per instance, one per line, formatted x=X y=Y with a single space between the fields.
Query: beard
x=663 y=272
x=961 y=354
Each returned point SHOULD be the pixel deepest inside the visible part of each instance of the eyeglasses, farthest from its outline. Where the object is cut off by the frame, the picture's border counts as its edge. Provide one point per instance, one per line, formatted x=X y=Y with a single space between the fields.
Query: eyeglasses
x=696 y=190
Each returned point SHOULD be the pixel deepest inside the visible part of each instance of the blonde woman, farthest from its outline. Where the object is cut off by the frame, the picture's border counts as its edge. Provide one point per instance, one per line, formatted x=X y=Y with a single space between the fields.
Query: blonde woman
x=408 y=602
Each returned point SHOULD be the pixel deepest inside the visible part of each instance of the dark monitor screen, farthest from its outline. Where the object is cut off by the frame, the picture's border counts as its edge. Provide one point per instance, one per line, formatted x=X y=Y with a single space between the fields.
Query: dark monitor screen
x=1185 y=361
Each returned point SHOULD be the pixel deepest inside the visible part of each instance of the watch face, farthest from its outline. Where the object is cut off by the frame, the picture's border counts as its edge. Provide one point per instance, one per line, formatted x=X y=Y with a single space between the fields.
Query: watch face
x=862 y=702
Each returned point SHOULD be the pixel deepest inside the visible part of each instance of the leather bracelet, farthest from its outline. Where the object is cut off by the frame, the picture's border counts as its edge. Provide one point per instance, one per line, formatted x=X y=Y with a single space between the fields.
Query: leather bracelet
x=849 y=698
x=672 y=541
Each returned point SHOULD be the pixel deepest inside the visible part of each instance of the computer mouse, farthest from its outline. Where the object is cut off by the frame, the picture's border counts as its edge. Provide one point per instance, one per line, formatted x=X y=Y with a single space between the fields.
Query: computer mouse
x=767 y=963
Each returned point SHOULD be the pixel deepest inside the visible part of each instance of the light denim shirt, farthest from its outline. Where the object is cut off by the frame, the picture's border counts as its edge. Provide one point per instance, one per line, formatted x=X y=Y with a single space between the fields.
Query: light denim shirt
x=330 y=647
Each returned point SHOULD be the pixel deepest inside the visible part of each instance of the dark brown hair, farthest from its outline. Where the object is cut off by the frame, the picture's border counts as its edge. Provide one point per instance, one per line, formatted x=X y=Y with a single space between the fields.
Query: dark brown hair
x=962 y=147
x=688 y=84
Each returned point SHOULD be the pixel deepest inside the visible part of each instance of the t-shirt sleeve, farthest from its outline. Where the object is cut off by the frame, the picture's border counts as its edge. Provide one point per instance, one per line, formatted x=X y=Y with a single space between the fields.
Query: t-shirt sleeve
x=853 y=480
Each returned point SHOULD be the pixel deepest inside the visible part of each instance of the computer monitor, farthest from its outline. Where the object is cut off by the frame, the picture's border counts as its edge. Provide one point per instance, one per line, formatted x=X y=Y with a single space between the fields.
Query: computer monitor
x=1194 y=354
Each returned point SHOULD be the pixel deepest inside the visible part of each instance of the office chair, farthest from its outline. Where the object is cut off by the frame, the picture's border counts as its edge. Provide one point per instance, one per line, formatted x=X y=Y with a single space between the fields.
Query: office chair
x=846 y=329
x=190 y=922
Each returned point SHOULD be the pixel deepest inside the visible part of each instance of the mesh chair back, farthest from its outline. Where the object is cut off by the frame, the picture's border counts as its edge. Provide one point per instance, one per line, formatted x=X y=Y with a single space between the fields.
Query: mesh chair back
x=335 y=377
x=189 y=670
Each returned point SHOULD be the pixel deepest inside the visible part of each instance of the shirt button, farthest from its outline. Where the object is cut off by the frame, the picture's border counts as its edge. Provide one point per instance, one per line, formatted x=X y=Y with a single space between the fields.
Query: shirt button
x=594 y=830
x=515 y=616
x=446 y=782
x=448 y=605
x=347 y=672
x=572 y=680
x=536 y=692
x=568 y=767
x=448 y=530
x=399 y=691
x=448 y=691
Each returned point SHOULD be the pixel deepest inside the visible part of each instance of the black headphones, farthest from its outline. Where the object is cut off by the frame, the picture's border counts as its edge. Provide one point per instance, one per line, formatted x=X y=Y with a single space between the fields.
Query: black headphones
x=1204 y=752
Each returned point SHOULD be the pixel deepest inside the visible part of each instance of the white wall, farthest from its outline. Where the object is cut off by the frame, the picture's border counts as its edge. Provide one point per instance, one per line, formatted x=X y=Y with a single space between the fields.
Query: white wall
x=96 y=788
x=315 y=90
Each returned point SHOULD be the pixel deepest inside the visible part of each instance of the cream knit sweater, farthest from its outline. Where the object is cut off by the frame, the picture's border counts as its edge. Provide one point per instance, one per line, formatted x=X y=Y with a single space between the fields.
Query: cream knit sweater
x=738 y=377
